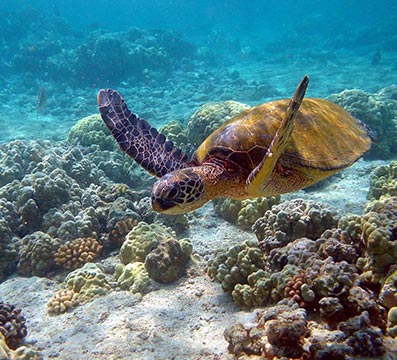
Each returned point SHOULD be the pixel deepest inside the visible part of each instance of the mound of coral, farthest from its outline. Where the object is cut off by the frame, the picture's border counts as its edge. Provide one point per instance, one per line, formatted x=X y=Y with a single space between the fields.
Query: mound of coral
x=314 y=265
x=383 y=181
x=379 y=112
x=244 y=213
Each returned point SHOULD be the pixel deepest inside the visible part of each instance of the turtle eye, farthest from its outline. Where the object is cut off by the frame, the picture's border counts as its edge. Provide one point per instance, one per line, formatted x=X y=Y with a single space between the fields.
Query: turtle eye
x=172 y=193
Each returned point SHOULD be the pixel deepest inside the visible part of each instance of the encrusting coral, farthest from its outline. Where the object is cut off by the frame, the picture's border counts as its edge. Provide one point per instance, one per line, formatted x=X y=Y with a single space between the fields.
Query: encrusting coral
x=76 y=253
x=168 y=260
x=21 y=353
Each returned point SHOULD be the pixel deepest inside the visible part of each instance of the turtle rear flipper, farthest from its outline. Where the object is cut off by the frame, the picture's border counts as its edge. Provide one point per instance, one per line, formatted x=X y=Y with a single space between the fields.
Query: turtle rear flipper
x=137 y=138
x=260 y=178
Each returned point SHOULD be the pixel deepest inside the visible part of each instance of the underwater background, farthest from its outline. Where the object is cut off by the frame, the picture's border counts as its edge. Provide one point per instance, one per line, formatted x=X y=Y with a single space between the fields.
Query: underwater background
x=89 y=271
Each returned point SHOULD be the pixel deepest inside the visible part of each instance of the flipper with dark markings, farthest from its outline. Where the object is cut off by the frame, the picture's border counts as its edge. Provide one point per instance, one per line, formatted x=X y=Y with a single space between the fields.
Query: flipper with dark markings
x=137 y=138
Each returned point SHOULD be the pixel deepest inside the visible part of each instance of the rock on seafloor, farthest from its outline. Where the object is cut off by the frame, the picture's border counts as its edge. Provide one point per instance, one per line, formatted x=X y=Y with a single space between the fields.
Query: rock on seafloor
x=180 y=321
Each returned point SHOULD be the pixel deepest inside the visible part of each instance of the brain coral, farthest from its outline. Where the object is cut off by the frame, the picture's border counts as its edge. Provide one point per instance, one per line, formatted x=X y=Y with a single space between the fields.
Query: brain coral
x=291 y=220
x=376 y=110
x=76 y=253
x=209 y=117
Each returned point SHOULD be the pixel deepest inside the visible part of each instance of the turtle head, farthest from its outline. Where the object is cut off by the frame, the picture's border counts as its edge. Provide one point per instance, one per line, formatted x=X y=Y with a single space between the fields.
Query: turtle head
x=178 y=192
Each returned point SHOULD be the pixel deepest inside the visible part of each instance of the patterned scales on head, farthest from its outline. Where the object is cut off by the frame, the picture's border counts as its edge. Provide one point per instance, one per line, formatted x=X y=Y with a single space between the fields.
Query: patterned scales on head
x=270 y=149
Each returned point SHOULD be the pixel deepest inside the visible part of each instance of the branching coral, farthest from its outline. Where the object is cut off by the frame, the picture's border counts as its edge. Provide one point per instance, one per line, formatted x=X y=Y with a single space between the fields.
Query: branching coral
x=76 y=253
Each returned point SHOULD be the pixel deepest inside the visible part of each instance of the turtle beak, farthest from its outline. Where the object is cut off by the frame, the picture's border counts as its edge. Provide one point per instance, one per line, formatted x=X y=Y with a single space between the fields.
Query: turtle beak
x=161 y=205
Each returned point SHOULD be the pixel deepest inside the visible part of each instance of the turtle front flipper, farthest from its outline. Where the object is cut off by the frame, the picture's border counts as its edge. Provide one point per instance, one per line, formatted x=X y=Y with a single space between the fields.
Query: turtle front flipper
x=137 y=137
x=258 y=180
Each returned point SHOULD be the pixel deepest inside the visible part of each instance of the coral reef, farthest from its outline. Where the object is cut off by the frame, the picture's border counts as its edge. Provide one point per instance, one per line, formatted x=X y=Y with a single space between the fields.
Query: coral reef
x=62 y=301
x=209 y=117
x=137 y=53
x=36 y=254
x=383 y=181
x=133 y=277
x=283 y=331
x=376 y=229
x=168 y=260
x=378 y=111
x=76 y=253
x=291 y=220
x=235 y=265
x=12 y=325
x=20 y=353
x=244 y=213
x=88 y=282
x=155 y=245
x=91 y=130
x=141 y=240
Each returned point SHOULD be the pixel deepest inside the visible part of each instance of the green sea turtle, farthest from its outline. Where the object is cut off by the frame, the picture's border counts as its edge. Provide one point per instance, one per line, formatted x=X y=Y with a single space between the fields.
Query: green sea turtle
x=274 y=148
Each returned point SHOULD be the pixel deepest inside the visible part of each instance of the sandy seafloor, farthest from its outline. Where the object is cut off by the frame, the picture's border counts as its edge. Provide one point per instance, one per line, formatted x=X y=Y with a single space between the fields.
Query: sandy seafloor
x=185 y=320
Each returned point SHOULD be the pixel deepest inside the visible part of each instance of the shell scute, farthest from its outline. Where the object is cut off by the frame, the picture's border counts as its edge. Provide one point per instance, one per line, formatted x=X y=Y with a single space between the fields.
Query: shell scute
x=325 y=137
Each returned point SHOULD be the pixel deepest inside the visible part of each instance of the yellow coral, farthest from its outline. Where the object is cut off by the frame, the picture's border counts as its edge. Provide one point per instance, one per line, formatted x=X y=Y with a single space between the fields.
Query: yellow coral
x=88 y=281
x=62 y=301
x=76 y=253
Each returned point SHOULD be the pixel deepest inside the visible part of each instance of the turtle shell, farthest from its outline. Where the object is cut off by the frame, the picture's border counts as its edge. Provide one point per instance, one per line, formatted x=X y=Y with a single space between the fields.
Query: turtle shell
x=325 y=137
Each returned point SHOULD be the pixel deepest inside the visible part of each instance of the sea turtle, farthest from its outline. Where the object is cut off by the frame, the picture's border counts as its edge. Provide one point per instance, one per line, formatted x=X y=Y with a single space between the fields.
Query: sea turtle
x=273 y=148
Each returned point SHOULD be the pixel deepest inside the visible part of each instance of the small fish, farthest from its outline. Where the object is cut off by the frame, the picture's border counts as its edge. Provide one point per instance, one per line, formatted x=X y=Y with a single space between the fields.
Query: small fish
x=41 y=100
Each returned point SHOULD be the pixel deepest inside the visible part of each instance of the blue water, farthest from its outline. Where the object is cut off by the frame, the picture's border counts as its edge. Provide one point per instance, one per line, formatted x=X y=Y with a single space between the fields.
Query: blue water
x=73 y=49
